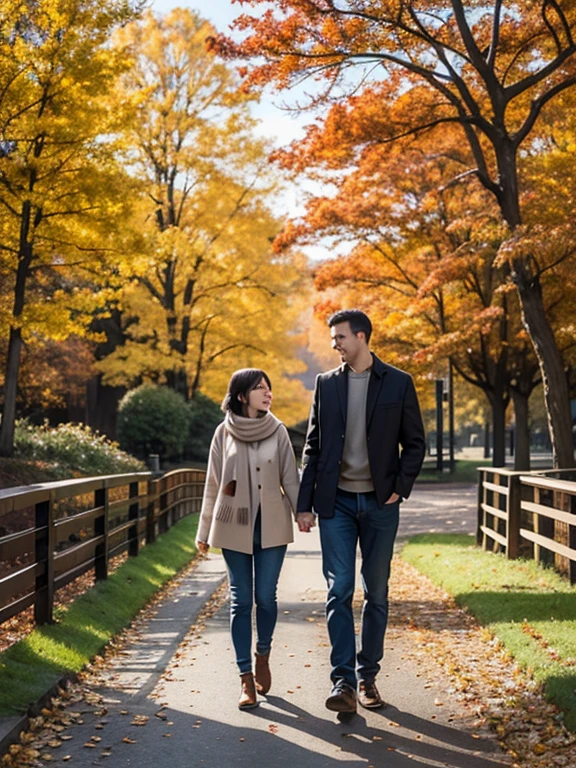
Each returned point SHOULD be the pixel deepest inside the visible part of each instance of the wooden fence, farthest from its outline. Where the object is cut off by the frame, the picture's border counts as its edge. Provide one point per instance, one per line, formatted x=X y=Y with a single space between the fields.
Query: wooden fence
x=62 y=529
x=530 y=515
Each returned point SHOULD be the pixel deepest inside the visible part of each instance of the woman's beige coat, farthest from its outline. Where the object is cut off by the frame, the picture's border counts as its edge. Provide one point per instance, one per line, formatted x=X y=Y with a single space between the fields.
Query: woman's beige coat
x=274 y=486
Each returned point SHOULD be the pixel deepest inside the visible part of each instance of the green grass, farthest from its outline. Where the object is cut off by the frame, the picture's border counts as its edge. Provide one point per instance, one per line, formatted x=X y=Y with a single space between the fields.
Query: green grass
x=506 y=596
x=31 y=667
x=465 y=472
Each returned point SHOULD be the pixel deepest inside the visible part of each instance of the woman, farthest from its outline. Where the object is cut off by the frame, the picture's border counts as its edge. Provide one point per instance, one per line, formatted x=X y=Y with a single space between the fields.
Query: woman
x=247 y=511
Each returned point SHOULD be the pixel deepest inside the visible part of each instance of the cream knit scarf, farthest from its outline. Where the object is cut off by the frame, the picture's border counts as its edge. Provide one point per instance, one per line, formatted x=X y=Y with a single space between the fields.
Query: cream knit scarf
x=235 y=500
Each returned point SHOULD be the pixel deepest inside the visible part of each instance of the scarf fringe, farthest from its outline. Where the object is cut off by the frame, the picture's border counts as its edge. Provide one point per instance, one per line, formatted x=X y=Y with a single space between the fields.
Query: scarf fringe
x=242 y=518
x=225 y=514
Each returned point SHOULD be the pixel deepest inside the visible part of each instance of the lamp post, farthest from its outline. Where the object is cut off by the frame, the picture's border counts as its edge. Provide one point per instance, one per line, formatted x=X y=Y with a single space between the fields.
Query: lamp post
x=451 y=415
x=445 y=393
x=439 y=424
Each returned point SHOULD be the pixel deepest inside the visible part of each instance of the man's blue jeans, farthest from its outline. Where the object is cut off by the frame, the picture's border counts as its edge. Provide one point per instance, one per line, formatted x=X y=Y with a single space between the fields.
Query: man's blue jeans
x=253 y=578
x=357 y=518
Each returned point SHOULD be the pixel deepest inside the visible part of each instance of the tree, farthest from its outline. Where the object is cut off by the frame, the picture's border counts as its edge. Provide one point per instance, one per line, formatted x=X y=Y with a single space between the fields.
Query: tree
x=424 y=263
x=491 y=70
x=206 y=293
x=60 y=190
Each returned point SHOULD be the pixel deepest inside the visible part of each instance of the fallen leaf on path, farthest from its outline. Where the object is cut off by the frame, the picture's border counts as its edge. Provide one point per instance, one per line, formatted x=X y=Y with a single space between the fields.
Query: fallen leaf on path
x=139 y=720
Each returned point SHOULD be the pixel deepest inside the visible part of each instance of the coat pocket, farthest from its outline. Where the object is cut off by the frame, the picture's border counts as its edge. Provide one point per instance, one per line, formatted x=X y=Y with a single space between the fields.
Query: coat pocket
x=229 y=489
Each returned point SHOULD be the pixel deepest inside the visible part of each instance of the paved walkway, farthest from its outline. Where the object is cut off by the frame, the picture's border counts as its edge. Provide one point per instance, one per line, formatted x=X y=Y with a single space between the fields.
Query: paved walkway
x=169 y=697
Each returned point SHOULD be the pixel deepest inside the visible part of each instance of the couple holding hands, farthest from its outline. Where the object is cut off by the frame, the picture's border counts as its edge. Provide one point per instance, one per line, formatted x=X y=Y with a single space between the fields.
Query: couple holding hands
x=364 y=449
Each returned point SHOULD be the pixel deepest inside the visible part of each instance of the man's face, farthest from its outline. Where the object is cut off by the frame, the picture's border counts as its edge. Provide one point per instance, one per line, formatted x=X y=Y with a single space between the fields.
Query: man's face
x=345 y=342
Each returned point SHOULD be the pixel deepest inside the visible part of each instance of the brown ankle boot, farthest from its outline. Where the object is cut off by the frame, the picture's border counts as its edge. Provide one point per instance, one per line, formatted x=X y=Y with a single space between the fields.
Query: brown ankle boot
x=262 y=674
x=247 y=698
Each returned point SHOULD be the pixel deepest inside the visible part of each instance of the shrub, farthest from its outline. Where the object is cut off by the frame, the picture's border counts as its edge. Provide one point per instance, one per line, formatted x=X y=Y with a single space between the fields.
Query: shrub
x=205 y=415
x=153 y=419
x=72 y=449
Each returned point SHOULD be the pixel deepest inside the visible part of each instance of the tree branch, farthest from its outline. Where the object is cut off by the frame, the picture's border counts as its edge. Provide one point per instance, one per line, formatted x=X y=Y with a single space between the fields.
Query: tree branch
x=235 y=346
x=511 y=91
x=536 y=108
x=491 y=59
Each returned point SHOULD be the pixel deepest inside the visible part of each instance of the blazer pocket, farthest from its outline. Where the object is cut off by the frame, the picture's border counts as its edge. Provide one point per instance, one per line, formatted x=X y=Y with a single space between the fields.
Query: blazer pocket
x=381 y=406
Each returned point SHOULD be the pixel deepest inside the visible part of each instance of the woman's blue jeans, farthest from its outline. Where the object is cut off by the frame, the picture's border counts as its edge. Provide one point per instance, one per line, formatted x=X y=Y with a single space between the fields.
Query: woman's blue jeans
x=253 y=579
x=357 y=519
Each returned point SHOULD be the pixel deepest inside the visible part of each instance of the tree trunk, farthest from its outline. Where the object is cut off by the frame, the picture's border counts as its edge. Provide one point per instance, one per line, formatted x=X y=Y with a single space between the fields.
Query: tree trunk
x=15 y=340
x=535 y=319
x=10 y=391
x=178 y=381
x=486 y=439
x=554 y=378
x=499 y=431
x=102 y=406
x=522 y=431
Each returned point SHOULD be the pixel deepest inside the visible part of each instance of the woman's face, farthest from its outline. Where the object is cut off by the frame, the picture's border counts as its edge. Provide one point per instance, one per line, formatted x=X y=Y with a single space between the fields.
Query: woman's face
x=259 y=399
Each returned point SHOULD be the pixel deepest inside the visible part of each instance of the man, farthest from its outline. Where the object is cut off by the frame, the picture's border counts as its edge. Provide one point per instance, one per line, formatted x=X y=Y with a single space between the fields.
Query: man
x=354 y=478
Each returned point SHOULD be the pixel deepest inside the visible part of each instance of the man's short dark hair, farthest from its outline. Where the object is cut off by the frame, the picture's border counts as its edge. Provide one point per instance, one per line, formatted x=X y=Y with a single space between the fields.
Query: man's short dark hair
x=359 y=321
x=242 y=382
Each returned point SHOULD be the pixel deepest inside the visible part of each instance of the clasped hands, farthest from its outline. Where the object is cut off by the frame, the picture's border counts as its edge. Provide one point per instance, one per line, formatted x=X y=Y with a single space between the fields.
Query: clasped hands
x=307 y=520
x=304 y=520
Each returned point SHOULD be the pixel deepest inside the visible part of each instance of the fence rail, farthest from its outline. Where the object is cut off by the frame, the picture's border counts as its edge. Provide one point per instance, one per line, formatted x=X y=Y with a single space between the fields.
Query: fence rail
x=69 y=527
x=529 y=515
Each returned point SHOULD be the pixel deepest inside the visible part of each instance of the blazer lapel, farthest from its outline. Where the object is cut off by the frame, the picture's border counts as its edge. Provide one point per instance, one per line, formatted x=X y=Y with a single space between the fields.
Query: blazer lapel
x=374 y=386
x=342 y=389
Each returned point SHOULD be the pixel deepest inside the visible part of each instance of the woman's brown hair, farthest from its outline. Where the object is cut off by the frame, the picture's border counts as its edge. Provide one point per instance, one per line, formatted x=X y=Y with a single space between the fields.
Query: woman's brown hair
x=242 y=382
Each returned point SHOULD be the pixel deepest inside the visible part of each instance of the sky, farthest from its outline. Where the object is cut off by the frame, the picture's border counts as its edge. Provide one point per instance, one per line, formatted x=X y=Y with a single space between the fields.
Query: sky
x=274 y=123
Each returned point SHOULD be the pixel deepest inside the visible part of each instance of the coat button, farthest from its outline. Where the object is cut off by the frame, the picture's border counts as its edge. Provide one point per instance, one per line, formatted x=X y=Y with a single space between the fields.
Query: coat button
x=257 y=469
x=259 y=487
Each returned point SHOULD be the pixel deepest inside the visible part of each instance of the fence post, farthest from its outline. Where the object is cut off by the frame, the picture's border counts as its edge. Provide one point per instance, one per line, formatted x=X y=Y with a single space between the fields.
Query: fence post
x=101 y=528
x=480 y=518
x=163 y=503
x=513 y=517
x=536 y=524
x=170 y=499
x=545 y=527
x=44 y=554
x=150 y=522
x=572 y=541
x=133 y=514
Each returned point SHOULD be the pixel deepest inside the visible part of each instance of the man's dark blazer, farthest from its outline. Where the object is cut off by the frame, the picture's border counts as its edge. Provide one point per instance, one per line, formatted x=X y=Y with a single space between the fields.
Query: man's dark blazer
x=393 y=420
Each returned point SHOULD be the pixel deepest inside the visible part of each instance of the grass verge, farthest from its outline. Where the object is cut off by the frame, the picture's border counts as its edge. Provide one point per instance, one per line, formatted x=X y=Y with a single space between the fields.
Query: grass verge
x=32 y=666
x=465 y=472
x=530 y=609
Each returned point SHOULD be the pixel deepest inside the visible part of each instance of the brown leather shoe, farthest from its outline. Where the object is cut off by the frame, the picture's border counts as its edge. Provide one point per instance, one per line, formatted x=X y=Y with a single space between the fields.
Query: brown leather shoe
x=342 y=698
x=262 y=674
x=368 y=695
x=247 y=698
